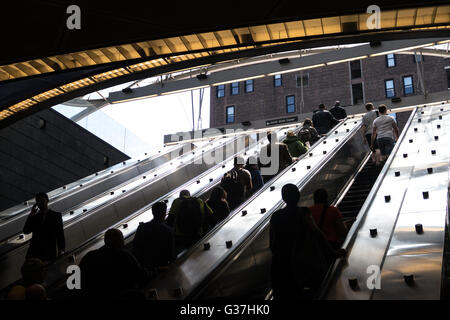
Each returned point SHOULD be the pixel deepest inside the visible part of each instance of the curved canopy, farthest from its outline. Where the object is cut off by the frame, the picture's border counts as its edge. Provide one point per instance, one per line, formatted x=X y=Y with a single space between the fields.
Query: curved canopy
x=40 y=78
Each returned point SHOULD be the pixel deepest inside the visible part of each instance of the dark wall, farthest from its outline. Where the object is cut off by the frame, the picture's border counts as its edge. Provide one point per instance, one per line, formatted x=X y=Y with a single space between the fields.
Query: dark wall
x=34 y=159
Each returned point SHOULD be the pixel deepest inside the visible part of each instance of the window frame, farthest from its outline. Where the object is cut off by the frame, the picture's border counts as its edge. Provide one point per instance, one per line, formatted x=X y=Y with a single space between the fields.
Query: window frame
x=287 y=104
x=231 y=88
x=386 y=89
x=422 y=58
x=275 y=80
x=393 y=59
x=298 y=75
x=246 y=86
x=227 y=114
x=219 y=89
x=412 y=85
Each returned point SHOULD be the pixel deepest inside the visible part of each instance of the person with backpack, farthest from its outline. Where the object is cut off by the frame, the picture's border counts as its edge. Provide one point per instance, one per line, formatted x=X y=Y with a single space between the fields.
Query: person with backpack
x=366 y=130
x=253 y=167
x=338 y=112
x=301 y=256
x=154 y=241
x=284 y=157
x=385 y=132
x=329 y=219
x=323 y=120
x=237 y=183
x=190 y=216
x=295 y=145
x=308 y=134
x=218 y=203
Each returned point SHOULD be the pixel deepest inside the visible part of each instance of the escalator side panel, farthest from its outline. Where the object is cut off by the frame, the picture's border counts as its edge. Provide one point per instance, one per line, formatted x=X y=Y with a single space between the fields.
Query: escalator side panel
x=333 y=177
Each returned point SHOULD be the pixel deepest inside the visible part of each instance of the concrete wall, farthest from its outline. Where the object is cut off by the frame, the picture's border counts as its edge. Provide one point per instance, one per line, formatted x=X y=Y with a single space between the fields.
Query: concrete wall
x=34 y=159
x=326 y=85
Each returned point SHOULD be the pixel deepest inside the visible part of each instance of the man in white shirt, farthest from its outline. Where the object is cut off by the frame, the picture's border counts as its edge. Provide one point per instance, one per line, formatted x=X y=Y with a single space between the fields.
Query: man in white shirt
x=366 y=130
x=385 y=130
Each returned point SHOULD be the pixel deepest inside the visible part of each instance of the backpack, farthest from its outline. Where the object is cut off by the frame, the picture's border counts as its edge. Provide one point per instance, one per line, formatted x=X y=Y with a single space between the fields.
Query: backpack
x=304 y=135
x=230 y=182
x=189 y=219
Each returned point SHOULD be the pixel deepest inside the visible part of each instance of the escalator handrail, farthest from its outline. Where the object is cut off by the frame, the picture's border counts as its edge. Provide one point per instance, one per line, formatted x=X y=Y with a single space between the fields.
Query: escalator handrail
x=186 y=253
x=351 y=236
x=256 y=229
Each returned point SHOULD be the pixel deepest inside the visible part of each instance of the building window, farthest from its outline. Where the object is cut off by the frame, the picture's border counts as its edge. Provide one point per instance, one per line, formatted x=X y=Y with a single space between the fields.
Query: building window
x=249 y=86
x=303 y=78
x=221 y=91
x=290 y=104
x=408 y=87
x=234 y=88
x=277 y=81
x=390 y=60
x=357 y=93
x=230 y=114
x=418 y=58
x=355 y=69
x=389 y=87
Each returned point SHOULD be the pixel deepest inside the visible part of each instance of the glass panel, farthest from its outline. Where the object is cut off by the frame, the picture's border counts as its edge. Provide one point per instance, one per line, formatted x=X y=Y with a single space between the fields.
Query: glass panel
x=235 y=88
x=313 y=27
x=407 y=81
x=260 y=33
x=405 y=17
x=390 y=60
x=295 y=29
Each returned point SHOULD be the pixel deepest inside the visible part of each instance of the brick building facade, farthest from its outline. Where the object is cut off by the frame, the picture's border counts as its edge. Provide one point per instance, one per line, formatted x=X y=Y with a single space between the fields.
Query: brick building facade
x=356 y=82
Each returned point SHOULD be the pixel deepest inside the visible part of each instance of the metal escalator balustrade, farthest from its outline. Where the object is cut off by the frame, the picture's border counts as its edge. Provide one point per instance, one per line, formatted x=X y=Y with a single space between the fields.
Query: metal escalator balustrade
x=129 y=225
x=63 y=198
x=107 y=209
x=203 y=267
x=407 y=206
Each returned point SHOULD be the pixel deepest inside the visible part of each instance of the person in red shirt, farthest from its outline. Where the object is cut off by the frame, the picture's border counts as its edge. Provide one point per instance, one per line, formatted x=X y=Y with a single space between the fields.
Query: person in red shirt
x=328 y=219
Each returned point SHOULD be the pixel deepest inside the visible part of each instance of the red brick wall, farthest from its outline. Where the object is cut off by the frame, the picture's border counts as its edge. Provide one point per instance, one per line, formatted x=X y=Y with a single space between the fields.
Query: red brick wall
x=326 y=85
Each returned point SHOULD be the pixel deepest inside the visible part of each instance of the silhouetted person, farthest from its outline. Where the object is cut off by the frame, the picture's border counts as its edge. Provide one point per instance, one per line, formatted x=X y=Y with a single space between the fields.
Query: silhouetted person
x=218 y=203
x=48 y=241
x=253 y=167
x=308 y=134
x=237 y=183
x=111 y=272
x=284 y=157
x=323 y=120
x=300 y=254
x=295 y=145
x=338 y=112
x=154 y=241
x=190 y=217
x=33 y=273
x=329 y=219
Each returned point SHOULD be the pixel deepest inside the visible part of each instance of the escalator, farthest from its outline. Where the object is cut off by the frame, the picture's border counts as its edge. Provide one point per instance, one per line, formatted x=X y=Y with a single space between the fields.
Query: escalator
x=72 y=194
x=401 y=228
x=87 y=219
x=237 y=260
x=129 y=224
x=355 y=195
